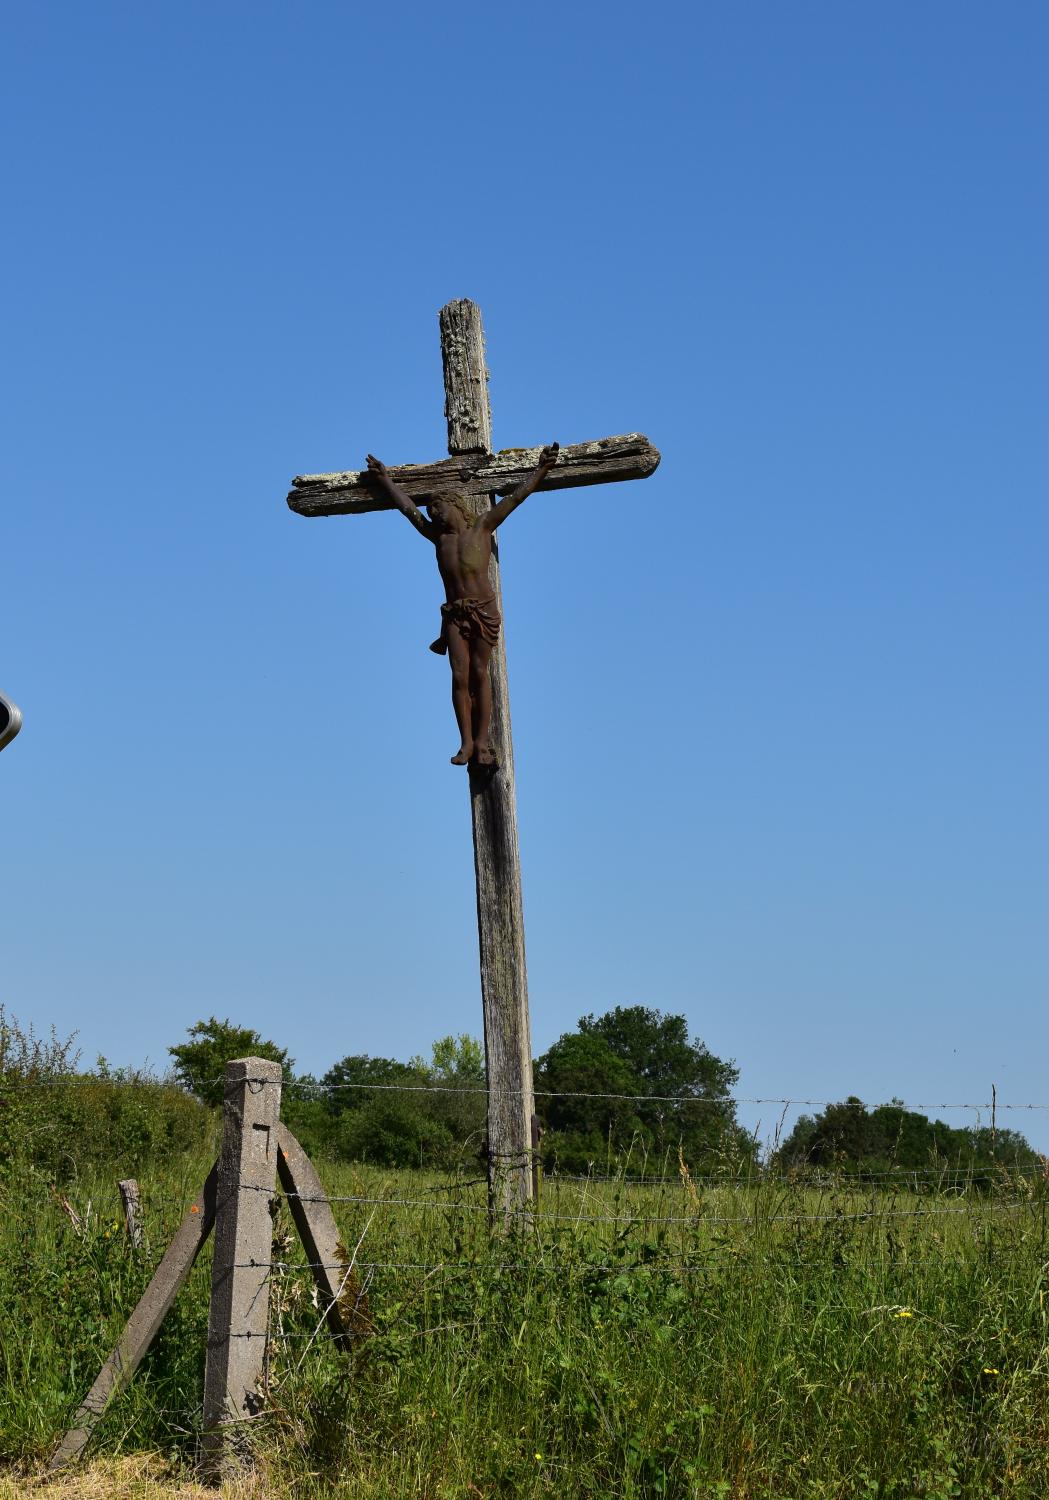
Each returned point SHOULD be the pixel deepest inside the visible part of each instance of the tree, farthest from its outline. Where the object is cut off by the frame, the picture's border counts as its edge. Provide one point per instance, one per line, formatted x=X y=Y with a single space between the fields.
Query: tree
x=581 y=1085
x=359 y=1079
x=368 y=1109
x=459 y=1058
x=658 y=1050
x=407 y=1114
x=393 y=1131
x=638 y=1052
x=459 y=1101
x=669 y=1065
x=200 y=1063
x=890 y=1136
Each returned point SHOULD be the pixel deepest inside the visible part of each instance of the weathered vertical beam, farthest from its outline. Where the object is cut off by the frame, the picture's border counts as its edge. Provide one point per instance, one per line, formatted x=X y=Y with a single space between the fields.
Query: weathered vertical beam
x=466 y=404
x=493 y=805
x=131 y=1198
x=239 y=1316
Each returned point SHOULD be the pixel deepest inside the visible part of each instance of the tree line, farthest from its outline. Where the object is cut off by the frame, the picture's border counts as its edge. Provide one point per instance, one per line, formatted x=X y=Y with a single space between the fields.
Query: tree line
x=629 y=1090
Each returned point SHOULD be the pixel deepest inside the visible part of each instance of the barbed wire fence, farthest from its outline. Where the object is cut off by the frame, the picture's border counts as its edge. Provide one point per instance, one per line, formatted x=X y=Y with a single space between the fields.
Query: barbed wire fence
x=311 y=1090
x=319 y=1090
x=585 y=1228
x=943 y=1174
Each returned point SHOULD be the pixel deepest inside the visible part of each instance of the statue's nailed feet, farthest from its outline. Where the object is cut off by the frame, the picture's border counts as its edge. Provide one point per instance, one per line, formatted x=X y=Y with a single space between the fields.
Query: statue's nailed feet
x=463 y=755
x=484 y=755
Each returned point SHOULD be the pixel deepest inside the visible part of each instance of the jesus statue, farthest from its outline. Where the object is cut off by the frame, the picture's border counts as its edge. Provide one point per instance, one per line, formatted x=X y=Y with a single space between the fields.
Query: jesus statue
x=470 y=619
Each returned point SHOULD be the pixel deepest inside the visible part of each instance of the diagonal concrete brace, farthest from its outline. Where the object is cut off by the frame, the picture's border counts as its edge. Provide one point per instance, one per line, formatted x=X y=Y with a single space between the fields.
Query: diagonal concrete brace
x=328 y=1256
x=144 y=1323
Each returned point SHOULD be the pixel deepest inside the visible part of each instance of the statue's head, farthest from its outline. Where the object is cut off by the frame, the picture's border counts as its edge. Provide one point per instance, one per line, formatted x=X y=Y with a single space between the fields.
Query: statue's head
x=448 y=510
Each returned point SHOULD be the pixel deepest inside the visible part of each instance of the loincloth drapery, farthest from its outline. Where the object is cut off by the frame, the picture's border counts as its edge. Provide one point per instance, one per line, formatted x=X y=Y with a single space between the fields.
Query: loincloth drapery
x=473 y=618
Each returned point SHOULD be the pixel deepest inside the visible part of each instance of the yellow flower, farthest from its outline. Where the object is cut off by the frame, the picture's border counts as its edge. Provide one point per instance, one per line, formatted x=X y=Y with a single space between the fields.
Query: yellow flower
x=904 y=1312
x=539 y=1458
x=990 y=1370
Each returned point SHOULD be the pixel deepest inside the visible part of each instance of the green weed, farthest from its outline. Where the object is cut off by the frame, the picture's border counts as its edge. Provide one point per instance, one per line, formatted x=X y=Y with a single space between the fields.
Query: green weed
x=675 y=1339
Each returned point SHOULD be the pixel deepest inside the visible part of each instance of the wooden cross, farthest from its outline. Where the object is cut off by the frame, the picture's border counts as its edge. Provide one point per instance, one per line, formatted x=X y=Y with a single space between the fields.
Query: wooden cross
x=478 y=474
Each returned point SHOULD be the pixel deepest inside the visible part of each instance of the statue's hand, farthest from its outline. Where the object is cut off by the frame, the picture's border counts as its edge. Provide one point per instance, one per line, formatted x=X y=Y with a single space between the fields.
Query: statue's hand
x=548 y=457
x=376 y=465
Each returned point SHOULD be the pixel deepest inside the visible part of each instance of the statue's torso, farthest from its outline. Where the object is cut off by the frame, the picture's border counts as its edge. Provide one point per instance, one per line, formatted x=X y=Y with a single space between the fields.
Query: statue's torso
x=462 y=557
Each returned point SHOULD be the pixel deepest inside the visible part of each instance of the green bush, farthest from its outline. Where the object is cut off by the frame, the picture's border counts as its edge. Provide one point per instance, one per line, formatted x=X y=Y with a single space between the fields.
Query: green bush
x=60 y=1121
x=399 y=1114
x=866 y=1142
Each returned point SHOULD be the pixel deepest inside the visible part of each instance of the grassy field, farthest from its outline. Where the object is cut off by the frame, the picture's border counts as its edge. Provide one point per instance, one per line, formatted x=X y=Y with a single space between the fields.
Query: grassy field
x=674 y=1338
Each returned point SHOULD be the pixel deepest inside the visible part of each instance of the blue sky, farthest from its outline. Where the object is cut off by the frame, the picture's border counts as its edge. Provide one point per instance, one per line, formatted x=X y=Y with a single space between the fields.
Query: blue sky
x=802 y=248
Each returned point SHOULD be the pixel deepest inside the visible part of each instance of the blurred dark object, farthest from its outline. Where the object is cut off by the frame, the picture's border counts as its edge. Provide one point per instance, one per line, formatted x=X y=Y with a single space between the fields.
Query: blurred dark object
x=10 y=721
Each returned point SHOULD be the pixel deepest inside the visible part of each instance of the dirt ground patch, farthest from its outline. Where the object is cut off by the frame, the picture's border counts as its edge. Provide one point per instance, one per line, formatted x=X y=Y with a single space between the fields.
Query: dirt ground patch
x=142 y=1477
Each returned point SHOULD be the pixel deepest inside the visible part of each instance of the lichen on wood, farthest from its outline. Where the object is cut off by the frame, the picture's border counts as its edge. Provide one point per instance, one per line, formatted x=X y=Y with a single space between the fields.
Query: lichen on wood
x=609 y=460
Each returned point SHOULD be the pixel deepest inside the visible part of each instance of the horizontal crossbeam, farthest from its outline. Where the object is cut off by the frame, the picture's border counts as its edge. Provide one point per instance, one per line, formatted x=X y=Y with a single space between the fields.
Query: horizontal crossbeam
x=629 y=456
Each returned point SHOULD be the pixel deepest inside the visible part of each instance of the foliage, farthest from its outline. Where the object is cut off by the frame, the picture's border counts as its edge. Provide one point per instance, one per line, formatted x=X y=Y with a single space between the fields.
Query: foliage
x=857 y=1339
x=200 y=1063
x=58 y=1121
x=890 y=1136
x=579 y=1130
x=391 y=1113
x=455 y=1060
x=635 y=1051
x=459 y=1102
x=658 y=1341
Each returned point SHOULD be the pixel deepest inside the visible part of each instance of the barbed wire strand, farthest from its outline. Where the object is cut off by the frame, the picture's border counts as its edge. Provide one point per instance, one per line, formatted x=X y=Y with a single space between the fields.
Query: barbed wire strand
x=516 y=1267
x=321 y=1091
x=810 y=1174
x=536 y=1215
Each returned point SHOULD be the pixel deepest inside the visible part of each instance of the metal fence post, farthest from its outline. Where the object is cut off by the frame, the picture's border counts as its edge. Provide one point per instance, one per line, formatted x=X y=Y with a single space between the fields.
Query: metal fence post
x=239 y=1316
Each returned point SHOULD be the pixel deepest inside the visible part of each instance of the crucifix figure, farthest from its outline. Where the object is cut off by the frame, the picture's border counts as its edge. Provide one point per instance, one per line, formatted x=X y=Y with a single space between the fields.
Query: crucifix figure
x=469 y=565
x=470 y=617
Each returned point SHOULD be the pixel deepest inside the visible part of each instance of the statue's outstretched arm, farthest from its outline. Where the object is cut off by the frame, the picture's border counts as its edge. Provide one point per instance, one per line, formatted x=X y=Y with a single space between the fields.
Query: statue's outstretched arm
x=379 y=479
x=498 y=513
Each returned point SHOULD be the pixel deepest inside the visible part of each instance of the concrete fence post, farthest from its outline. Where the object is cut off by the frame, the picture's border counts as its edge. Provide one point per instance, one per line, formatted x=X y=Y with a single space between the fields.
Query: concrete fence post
x=239 y=1316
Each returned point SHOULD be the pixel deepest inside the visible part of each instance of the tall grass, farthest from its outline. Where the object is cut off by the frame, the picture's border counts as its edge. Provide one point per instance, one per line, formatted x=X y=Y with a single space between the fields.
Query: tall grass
x=675 y=1338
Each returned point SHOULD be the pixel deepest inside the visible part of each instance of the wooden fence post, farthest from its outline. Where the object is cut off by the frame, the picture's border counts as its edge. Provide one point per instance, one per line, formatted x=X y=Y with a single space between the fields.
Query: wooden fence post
x=131 y=1198
x=239 y=1316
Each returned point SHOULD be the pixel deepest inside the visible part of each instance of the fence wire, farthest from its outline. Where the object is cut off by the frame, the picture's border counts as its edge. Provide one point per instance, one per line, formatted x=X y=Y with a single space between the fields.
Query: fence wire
x=313 y=1090
x=985 y=1192
x=536 y=1215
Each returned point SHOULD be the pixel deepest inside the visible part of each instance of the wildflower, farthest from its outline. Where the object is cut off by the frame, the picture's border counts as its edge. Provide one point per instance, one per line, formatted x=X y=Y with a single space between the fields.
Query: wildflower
x=990 y=1370
x=904 y=1312
x=539 y=1458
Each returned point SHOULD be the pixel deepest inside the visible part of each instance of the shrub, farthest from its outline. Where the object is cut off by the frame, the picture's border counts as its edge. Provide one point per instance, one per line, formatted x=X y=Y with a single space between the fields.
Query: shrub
x=59 y=1120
